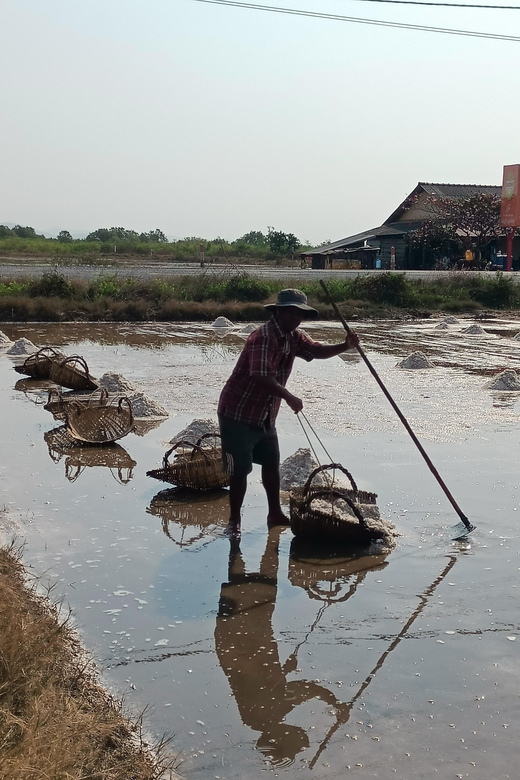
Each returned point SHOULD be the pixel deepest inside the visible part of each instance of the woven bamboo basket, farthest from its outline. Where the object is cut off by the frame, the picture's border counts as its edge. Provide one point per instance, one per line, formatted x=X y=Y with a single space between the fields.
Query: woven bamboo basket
x=57 y=401
x=332 y=514
x=73 y=373
x=38 y=365
x=99 y=424
x=195 y=466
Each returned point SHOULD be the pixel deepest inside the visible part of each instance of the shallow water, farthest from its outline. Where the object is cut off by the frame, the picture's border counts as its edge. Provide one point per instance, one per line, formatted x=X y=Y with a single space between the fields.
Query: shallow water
x=266 y=658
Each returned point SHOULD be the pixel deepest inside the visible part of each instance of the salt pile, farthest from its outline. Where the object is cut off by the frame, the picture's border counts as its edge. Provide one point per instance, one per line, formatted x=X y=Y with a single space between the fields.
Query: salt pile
x=451 y=320
x=247 y=329
x=416 y=360
x=296 y=468
x=442 y=326
x=376 y=527
x=22 y=347
x=517 y=337
x=4 y=339
x=144 y=406
x=222 y=322
x=195 y=430
x=474 y=330
x=116 y=383
x=506 y=380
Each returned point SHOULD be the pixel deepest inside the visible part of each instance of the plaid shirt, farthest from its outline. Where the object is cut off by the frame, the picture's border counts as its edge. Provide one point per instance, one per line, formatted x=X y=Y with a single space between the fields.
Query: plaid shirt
x=267 y=352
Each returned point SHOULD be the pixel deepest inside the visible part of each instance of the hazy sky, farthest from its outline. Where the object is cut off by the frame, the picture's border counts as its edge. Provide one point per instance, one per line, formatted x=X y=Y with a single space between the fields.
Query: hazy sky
x=209 y=120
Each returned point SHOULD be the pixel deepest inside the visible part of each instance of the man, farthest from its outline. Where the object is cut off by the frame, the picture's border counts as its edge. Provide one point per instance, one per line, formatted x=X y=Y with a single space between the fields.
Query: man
x=251 y=398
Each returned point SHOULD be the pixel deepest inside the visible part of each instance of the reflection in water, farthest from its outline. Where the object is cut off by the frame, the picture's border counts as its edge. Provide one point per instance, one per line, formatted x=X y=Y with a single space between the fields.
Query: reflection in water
x=79 y=456
x=248 y=654
x=504 y=399
x=188 y=515
x=36 y=390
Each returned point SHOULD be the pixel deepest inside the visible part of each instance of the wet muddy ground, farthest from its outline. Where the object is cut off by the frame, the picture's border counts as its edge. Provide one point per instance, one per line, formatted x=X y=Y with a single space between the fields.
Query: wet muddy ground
x=267 y=657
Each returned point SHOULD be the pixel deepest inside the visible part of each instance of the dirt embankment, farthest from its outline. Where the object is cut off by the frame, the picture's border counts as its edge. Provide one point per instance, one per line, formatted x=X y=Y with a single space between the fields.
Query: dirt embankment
x=56 y=720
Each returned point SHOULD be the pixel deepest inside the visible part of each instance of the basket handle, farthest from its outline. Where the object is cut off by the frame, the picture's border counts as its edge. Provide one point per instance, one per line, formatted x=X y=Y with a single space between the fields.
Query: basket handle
x=337 y=494
x=183 y=443
x=103 y=397
x=77 y=359
x=54 y=391
x=126 y=401
x=207 y=436
x=69 y=473
x=337 y=466
x=43 y=351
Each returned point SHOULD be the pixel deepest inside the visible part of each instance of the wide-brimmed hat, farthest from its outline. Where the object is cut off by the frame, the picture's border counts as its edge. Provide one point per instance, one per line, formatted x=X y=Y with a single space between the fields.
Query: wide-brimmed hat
x=295 y=298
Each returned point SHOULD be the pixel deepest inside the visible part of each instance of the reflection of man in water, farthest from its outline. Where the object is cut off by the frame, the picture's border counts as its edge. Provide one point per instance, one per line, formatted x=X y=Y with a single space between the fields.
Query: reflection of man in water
x=248 y=654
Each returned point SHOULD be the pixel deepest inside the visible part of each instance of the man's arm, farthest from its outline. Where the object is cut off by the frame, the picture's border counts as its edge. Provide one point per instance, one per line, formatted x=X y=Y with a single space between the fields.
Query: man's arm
x=322 y=351
x=270 y=385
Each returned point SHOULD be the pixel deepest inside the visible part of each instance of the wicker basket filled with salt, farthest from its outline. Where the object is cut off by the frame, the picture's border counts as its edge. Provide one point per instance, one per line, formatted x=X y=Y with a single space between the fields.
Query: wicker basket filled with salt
x=99 y=424
x=196 y=466
x=38 y=365
x=333 y=513
x=72 y=372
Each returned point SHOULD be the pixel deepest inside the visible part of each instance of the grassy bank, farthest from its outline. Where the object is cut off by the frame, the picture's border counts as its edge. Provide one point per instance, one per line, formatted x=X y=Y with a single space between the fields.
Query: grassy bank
x=241 y=297
x=56 y=721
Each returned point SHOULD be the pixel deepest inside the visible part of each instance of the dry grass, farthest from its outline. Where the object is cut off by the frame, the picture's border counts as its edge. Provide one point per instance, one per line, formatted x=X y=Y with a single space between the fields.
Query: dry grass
x=56 y=721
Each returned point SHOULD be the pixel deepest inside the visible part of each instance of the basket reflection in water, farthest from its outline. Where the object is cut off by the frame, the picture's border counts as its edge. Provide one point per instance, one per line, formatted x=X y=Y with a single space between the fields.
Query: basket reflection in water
x=80 y=455
x=188 y=516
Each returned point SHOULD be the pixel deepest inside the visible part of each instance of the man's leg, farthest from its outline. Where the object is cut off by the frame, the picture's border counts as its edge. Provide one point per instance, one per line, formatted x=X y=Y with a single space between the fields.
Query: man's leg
x=237 y=491
x=271 y=482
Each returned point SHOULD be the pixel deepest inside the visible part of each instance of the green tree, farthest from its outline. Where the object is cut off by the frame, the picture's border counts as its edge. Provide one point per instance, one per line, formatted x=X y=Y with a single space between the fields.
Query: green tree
x=281 y=243
x=25 y=232
x=254 y=238
x=64 y=236
x=153 y=235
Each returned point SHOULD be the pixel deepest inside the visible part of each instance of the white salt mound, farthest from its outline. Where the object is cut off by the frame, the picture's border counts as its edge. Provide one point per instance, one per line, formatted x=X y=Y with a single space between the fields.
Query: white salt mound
x=442 y=326
x=450 y=320
x=195 y=430
x=517 y=337
x=474 y=329
x=22 y=347
x=222 y=322
x=296 y=468
x=248 y=329
x=506 y=380
x=4 y=339
x=144 y=406
x=116 y=383
x=416 y=360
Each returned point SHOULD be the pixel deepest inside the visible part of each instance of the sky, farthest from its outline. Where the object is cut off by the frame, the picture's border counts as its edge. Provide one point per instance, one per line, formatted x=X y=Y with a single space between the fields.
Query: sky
x=209 y=120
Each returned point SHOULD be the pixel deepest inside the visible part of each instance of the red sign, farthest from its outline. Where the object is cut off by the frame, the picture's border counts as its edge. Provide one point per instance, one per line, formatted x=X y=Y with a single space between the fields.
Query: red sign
x=510 y=205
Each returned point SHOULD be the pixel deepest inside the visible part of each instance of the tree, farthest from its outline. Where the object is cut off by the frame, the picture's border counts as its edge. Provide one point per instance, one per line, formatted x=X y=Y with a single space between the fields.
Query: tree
x=154 y=235
x=281 y=243
x=254 y=238
x=25 y=232
x=64 y=236
x=473 y=221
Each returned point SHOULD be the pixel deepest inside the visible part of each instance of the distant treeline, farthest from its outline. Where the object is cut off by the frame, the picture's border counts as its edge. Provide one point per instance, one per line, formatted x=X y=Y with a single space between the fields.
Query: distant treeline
x=117 y=240
x=242 y=297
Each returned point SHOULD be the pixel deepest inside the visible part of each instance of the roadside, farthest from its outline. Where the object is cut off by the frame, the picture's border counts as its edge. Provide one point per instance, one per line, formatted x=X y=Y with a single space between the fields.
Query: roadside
x=56 y=719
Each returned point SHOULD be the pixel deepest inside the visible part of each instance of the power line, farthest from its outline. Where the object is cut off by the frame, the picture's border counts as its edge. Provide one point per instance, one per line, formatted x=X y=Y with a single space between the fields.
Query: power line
x=446 y=5
x=357 y=20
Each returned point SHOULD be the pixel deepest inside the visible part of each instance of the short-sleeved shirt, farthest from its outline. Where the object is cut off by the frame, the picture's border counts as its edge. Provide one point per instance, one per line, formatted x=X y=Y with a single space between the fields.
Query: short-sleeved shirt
x=267 y=352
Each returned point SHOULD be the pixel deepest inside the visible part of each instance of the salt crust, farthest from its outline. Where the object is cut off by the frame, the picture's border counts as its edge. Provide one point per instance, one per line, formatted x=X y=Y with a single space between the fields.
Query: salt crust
x=22 y=347
x=506 y=380
x=195 y=430
x=416 y=360
x=4 y=340
x=473 y=330
x=222 y=322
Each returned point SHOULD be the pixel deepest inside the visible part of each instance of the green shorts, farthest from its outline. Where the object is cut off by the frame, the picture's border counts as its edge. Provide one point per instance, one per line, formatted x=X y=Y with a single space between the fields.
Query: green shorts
x=243 y=445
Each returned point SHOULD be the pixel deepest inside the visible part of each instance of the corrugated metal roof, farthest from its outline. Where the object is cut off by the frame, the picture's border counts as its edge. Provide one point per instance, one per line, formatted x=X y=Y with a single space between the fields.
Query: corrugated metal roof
x=459 y=190
x=367 y=235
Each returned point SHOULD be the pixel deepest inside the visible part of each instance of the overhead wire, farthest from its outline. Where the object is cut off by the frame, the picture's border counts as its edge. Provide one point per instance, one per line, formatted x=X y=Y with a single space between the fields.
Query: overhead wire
x=358 y=20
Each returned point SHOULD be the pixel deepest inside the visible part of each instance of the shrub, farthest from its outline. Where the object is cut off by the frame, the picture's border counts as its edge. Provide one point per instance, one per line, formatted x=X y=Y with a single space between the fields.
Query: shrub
x=51 y=285
x=245 y=288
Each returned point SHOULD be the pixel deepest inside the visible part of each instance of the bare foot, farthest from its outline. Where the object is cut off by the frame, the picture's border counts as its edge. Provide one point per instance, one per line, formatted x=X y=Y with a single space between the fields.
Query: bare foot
x=233 y=530
x=277 y=518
